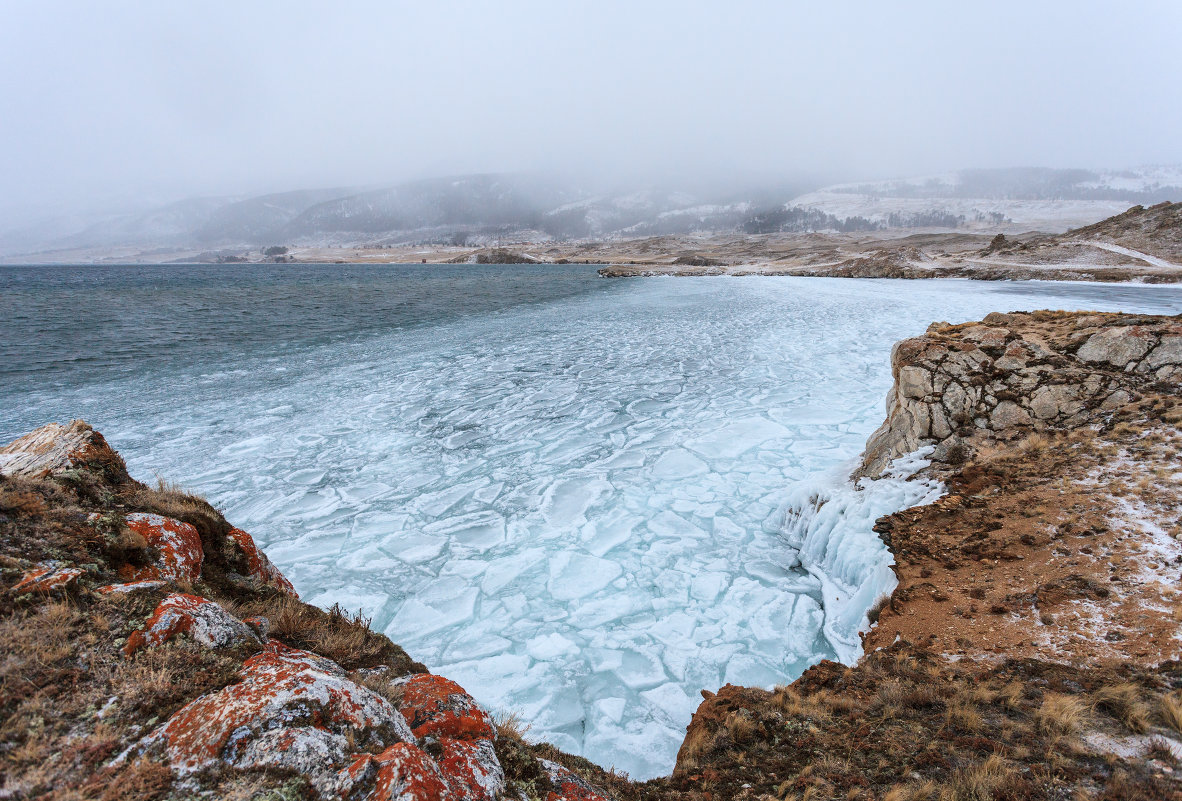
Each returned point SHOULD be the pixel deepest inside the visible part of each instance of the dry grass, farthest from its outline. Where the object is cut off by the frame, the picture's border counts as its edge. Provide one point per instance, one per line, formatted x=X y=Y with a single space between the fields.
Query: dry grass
x=697 y=744
x=344 y=638
x=1061 y=714
x=980 y=782
x=511 y=724
x=963 y=714
x=1126 y=703
x=925 y=791
x=1170 y=711
x=741 y=727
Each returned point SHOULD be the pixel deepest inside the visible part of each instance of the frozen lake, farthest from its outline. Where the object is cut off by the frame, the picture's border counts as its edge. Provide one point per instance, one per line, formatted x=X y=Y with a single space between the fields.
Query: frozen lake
x=565 y=493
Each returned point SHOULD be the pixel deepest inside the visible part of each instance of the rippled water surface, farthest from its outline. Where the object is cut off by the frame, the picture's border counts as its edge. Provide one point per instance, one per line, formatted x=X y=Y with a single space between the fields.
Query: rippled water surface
x=564 y=492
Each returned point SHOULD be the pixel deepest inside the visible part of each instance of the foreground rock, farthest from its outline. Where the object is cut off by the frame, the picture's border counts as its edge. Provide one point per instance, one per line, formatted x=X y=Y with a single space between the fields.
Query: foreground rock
x=150 y=650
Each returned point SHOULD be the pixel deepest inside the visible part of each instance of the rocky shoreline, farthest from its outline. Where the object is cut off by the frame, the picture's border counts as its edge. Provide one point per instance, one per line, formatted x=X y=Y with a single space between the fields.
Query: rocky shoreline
x=1030 y=650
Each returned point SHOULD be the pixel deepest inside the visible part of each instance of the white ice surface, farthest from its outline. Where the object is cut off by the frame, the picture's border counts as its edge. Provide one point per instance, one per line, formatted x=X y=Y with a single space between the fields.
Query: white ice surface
x=585 y=511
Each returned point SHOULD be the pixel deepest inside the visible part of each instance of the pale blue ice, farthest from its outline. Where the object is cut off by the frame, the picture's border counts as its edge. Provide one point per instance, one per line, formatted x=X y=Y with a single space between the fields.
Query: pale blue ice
x=585 y=510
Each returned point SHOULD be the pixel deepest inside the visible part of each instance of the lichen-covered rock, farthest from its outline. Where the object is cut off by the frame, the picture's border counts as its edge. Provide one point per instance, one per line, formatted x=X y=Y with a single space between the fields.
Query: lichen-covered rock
x=569 y=786
x=53 y=448
x=178 y=547
x=405 y=773
x=281 y=688
x=205 y=621
x=471 y=769
x=261 y=567
x=48 y=577
x=1117 y=346
x=1015 y=374
x=131 y=586
x=438 y=707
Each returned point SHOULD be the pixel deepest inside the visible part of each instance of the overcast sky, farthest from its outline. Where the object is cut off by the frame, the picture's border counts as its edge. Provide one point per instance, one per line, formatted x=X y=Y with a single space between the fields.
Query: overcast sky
x=101 y=101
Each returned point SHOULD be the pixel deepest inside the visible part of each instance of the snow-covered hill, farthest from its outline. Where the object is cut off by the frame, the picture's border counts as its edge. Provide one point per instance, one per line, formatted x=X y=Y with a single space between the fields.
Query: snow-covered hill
x=1005 y=200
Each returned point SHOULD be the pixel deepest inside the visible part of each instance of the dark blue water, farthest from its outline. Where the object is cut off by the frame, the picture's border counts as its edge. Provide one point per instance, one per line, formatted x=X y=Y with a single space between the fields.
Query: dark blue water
x=62 y=325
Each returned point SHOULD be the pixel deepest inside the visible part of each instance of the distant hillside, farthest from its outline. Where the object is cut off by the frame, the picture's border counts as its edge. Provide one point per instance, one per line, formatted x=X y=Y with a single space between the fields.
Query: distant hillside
x=481 y=210
x=1010 y=200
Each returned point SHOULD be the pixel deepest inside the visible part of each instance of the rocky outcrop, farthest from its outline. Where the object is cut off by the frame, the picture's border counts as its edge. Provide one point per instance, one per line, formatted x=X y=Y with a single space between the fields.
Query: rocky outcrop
x=204 y=621
x=54 y=448
x=959 y=386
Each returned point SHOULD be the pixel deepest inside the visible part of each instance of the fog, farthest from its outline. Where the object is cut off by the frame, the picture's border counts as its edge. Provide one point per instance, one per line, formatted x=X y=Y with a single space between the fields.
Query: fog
x=125 y=103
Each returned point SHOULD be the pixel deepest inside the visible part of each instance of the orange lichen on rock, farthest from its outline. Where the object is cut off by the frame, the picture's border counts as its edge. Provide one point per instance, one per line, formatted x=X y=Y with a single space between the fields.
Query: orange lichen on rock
x=406 y=773
x=47 y=577
x=131 y=586
x=178 y=545
x=471 y=769
x=286 y=696
x=568 y=785
x=438 y=707
x=203 y=620
x=261 y=567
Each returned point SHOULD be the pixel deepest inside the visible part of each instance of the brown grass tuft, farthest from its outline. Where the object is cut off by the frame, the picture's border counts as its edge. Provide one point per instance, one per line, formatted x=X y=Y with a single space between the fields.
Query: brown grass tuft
x=1061 y=714
x=1170 y=711
x=1125 y=703
x=511 y=724
x=980 y=782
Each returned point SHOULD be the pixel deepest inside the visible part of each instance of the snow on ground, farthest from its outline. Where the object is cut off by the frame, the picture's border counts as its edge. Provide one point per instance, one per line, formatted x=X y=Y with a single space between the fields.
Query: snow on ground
x=1052 y=216
x=584 y=510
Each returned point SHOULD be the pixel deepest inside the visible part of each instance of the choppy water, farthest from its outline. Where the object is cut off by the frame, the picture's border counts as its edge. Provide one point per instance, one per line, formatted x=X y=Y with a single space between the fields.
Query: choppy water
x=562 y=491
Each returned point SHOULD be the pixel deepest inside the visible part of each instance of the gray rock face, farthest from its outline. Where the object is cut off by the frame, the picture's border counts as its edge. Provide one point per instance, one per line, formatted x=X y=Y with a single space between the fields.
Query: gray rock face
x=1117 y=346
x=1015 y=374
x=49 y=449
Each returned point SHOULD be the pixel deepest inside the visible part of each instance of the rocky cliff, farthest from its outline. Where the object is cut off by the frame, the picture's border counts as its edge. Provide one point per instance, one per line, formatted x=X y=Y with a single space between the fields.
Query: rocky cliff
x=961 y=386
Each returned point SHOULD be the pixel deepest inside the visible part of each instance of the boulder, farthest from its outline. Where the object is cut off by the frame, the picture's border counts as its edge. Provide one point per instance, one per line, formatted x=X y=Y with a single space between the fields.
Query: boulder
x=53 y=448
x=178 y=549
x=292 y=709
x=403 y=772
x=438 y=707
x=48 y=577
x=1117 y=346
x=1168 y=351
x=260 y=566
x=569 y=786
x=205 y=621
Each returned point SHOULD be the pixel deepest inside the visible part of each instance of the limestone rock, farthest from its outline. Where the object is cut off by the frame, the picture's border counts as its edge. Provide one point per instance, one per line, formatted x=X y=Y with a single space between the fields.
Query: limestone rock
x=438 y=707
x=949 y=391
x=287 y=689
x=471 y=769
x=569 y=786
x=1168 y=351
x=53 y=448
x=1116 y=346
x=131 y=586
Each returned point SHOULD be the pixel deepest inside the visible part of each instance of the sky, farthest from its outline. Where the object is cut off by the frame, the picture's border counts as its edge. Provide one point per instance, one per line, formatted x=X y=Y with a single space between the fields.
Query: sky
x=113 y=102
